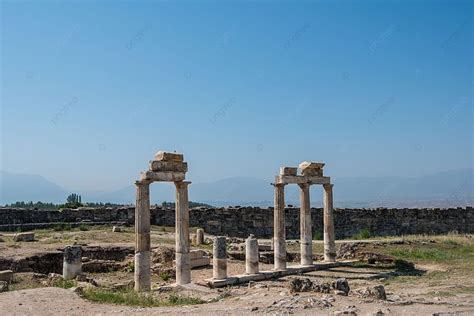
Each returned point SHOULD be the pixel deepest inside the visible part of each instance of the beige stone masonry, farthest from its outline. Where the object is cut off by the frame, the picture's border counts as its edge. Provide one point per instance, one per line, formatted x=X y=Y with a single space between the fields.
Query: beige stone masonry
x=167 y=156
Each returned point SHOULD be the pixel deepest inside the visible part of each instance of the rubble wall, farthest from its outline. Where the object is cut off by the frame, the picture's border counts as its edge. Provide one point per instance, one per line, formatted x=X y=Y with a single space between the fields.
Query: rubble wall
x=242 y=221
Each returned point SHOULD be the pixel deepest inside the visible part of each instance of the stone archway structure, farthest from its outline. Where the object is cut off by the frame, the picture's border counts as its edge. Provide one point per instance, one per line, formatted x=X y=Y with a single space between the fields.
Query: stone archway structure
x=166 y=167
x=311 y=173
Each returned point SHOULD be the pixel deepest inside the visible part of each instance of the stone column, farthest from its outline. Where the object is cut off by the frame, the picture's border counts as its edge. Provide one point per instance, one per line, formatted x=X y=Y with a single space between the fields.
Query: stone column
x=251 y=255
x=306 y=236
x=219 y=260
x=142 y=237
x=183 y=264
x=199 y=236
x=72 y=263
x=279 y=234
x=329 y=238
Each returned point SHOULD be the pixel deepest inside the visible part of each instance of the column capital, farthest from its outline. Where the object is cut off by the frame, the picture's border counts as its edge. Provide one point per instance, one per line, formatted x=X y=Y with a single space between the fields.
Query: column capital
x=182 y=184
x=142 y=182
x=278 y=184
x=328 y=185
x=304 y=185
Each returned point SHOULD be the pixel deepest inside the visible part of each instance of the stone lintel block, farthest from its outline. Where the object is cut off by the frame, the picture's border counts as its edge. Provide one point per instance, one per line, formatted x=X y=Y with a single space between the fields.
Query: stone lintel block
x=312 y=172
x=288 y=171
x=311 y=165
x=167 y=176
x=197 y=254
x=158 y=165
x=167 y=156
x=6 y=276
x=302 y=180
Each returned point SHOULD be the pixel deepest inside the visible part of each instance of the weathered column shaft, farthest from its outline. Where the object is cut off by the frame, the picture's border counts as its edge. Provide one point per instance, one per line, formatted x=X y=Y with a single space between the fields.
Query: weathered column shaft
x=219 y=260
x=306 y=236
x=279 y=234
x=199 y=236
x=251 y=255
x=329 y=238
x=72 y=262
x=142 y=237
x=183 y=264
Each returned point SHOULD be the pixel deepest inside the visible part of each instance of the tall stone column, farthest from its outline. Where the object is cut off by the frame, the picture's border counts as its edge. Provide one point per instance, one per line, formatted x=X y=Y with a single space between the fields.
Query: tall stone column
x=183 y=265
x=329 y=238
x=142 y=237
x=306 y=236
x=279 y=234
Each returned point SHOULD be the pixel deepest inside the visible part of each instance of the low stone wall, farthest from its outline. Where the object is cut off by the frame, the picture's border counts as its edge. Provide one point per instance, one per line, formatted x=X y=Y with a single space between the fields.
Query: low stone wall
x=240 y=222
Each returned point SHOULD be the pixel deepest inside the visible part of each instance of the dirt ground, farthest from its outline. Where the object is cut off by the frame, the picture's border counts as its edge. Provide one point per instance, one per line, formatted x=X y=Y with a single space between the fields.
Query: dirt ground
x=442 y=282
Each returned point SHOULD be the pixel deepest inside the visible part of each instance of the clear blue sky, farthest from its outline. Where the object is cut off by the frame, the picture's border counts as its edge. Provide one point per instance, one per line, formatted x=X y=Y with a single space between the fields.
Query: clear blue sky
x=91 y=89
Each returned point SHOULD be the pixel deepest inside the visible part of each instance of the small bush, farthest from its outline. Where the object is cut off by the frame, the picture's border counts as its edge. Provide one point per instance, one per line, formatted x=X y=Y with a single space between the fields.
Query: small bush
x=363 y=234
x=61 y=227
x=130 y=267
x=83 y=227
x=318 y=236
x=165 y=276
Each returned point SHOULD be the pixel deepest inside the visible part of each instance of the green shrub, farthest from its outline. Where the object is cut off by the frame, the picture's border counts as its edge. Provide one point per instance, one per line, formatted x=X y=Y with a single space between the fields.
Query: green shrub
x=61 y=227
x=165 y=276
x=318 y=236
x=83 y=227
x=363 y=234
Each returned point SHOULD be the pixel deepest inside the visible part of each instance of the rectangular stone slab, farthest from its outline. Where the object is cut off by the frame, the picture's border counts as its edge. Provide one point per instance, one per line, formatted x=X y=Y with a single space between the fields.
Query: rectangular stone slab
x=292 y=270
x=166 y=156
x=158 y=165
x=312 y=172
x=288 y=171
x=302 y=179
x=166 y=176
x=311 y=165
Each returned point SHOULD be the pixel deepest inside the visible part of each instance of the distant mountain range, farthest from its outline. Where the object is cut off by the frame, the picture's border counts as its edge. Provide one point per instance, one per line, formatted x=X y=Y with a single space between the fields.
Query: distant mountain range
x=442 y=189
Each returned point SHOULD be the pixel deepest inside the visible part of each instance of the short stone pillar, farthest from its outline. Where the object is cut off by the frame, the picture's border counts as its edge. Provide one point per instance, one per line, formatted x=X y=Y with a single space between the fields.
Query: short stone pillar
x=72 y=263
x=279 y=233
x=183 y=264
x=199 y=236
x=142 y=238
x=328 y=216
x=219 y=260
x=251 y=255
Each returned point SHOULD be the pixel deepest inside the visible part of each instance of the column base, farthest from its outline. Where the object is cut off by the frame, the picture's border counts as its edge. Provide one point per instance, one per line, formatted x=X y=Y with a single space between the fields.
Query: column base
x=183 y=268
x=142 y=271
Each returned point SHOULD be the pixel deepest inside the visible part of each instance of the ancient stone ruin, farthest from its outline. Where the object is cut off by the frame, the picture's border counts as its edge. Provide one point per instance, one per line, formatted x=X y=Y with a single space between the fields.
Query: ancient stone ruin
x=311 y=173
x=166 y=167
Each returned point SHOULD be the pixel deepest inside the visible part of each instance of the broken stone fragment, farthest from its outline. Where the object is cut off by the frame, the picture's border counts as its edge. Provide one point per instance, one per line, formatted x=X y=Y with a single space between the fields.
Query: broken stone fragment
x=157 y=165
x=6 y=275
x=24 y=237
x=342 y=285
x=3 y=286
x=311 y=165
x=314 y=169
x=288 y=171
x=167 y=156
x=116 y=229
x=377 y=292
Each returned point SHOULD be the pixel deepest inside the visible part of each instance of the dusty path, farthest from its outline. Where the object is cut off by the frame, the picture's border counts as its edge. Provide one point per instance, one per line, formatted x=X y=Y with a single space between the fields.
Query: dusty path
x=56 y=301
